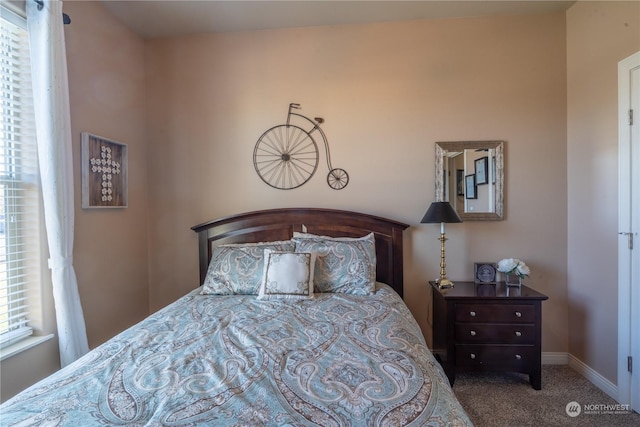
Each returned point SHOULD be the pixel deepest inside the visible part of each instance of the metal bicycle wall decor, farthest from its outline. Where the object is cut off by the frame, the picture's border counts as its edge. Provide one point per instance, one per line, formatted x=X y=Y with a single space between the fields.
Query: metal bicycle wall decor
x=286 y=156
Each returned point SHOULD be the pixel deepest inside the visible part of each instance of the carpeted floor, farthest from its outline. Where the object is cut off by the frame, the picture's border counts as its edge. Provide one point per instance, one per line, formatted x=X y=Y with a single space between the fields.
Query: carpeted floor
x=507 y=400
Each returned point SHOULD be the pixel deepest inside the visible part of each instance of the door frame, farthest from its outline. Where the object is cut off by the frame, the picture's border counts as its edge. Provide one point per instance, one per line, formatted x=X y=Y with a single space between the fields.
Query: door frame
x=626 y=315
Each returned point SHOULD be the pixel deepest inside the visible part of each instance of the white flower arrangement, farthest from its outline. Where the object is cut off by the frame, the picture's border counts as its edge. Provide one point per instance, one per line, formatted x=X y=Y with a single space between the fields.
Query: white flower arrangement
x=513 y=266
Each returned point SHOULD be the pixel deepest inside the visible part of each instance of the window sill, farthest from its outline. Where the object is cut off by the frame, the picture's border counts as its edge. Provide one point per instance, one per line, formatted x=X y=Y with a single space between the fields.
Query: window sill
x=22 y=345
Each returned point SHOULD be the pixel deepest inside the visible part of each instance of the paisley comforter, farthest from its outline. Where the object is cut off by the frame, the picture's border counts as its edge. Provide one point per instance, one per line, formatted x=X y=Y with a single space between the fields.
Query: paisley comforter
x=336 y=360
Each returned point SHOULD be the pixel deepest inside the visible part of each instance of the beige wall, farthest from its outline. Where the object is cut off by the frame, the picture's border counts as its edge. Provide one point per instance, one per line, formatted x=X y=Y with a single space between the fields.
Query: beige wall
x=107 y=90
x=388 y=92
x=599 y=35
x=107 y=94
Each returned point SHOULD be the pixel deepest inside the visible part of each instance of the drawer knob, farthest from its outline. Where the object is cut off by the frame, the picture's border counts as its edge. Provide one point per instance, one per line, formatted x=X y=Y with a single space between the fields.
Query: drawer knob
x=518 y=333
x=473 y=356
x=518 y=314
x=473 y=333
x=518 y=357
x=472 y=313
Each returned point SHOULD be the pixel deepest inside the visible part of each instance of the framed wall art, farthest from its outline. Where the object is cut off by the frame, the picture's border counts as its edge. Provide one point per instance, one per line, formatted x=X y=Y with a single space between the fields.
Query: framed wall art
x=460 y=182
x=482 y=171
x=104 y=172
x=470 y=187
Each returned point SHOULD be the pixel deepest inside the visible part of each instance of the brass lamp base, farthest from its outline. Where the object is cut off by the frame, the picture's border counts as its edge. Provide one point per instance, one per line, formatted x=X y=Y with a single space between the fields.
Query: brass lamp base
x=444 y=283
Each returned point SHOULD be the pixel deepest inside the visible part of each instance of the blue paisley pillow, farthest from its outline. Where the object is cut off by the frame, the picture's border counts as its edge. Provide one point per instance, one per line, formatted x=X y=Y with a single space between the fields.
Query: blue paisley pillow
x=237 y=268
x=343 y=264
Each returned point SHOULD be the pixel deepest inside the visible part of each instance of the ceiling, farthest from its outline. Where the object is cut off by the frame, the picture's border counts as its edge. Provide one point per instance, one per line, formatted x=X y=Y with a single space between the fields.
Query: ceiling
x=162 y=18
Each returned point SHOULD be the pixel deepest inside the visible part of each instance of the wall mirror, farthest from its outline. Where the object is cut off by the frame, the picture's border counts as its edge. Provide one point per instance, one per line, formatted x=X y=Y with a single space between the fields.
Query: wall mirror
x=470 y=176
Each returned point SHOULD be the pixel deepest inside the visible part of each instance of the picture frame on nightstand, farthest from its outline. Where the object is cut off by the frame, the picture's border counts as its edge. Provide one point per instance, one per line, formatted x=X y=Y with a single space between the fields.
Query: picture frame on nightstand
x=485 y=273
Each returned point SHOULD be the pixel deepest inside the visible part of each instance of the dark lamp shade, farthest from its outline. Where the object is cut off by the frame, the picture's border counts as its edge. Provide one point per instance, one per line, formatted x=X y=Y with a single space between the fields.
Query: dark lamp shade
x=440 y=212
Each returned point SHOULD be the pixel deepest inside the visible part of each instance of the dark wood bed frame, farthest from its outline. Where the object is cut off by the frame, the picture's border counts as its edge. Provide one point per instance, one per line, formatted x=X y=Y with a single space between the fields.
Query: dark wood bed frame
x=279 y=224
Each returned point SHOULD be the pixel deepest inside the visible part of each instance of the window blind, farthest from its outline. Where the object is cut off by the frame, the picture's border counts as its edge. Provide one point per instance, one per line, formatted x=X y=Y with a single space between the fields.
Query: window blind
x=19 y=186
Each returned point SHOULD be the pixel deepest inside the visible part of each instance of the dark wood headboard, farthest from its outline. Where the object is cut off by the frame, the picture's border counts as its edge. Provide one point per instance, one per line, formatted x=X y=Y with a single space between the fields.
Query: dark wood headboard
x=279 y=224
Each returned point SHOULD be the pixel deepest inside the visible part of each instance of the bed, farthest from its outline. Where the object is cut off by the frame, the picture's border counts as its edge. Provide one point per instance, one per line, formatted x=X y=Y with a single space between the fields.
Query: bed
x=257 y=344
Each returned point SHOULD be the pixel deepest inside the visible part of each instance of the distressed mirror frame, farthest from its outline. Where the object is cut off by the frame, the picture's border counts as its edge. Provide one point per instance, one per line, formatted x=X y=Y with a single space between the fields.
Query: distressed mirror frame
x=443 y=147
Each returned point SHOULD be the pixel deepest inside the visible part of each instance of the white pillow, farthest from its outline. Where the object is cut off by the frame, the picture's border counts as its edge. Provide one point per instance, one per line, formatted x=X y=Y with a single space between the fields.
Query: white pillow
x=287 y=275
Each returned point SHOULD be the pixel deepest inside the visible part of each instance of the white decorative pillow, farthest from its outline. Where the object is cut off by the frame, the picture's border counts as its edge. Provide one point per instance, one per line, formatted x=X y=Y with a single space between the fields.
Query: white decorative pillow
x=238 y=268
x=287 y=275
x=343 y=264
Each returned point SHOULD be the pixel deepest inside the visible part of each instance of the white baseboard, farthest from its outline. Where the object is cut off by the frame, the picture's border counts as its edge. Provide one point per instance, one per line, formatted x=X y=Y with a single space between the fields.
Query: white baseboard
x=549 y=358
x=598 y=380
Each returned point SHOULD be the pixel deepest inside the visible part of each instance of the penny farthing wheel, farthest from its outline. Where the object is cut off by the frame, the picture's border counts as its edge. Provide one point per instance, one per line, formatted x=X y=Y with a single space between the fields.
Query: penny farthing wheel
x=337 y=178
x=285 y=157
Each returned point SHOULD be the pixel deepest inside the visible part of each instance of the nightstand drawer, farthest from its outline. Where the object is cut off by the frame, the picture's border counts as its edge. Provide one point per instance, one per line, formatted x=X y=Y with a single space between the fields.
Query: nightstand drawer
x=498 y=357
x=496 y=313
x=475 y=333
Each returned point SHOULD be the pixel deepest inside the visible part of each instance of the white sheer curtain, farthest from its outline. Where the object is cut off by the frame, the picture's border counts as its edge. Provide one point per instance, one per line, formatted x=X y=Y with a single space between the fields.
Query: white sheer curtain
x=53 y=130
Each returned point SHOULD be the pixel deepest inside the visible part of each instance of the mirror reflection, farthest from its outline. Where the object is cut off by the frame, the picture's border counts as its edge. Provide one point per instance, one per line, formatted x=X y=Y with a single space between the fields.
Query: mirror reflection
x=470 y=176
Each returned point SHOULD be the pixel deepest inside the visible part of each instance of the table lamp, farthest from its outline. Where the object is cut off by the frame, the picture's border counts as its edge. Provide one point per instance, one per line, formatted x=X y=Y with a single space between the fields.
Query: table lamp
x=441 y=212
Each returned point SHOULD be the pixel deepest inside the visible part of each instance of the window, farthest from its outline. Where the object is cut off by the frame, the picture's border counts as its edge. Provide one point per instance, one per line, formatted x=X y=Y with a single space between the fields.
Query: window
x=20 y=262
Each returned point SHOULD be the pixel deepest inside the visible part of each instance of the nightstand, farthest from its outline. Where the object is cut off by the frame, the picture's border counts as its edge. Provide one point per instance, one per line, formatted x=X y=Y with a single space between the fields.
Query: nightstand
x=481 y=327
